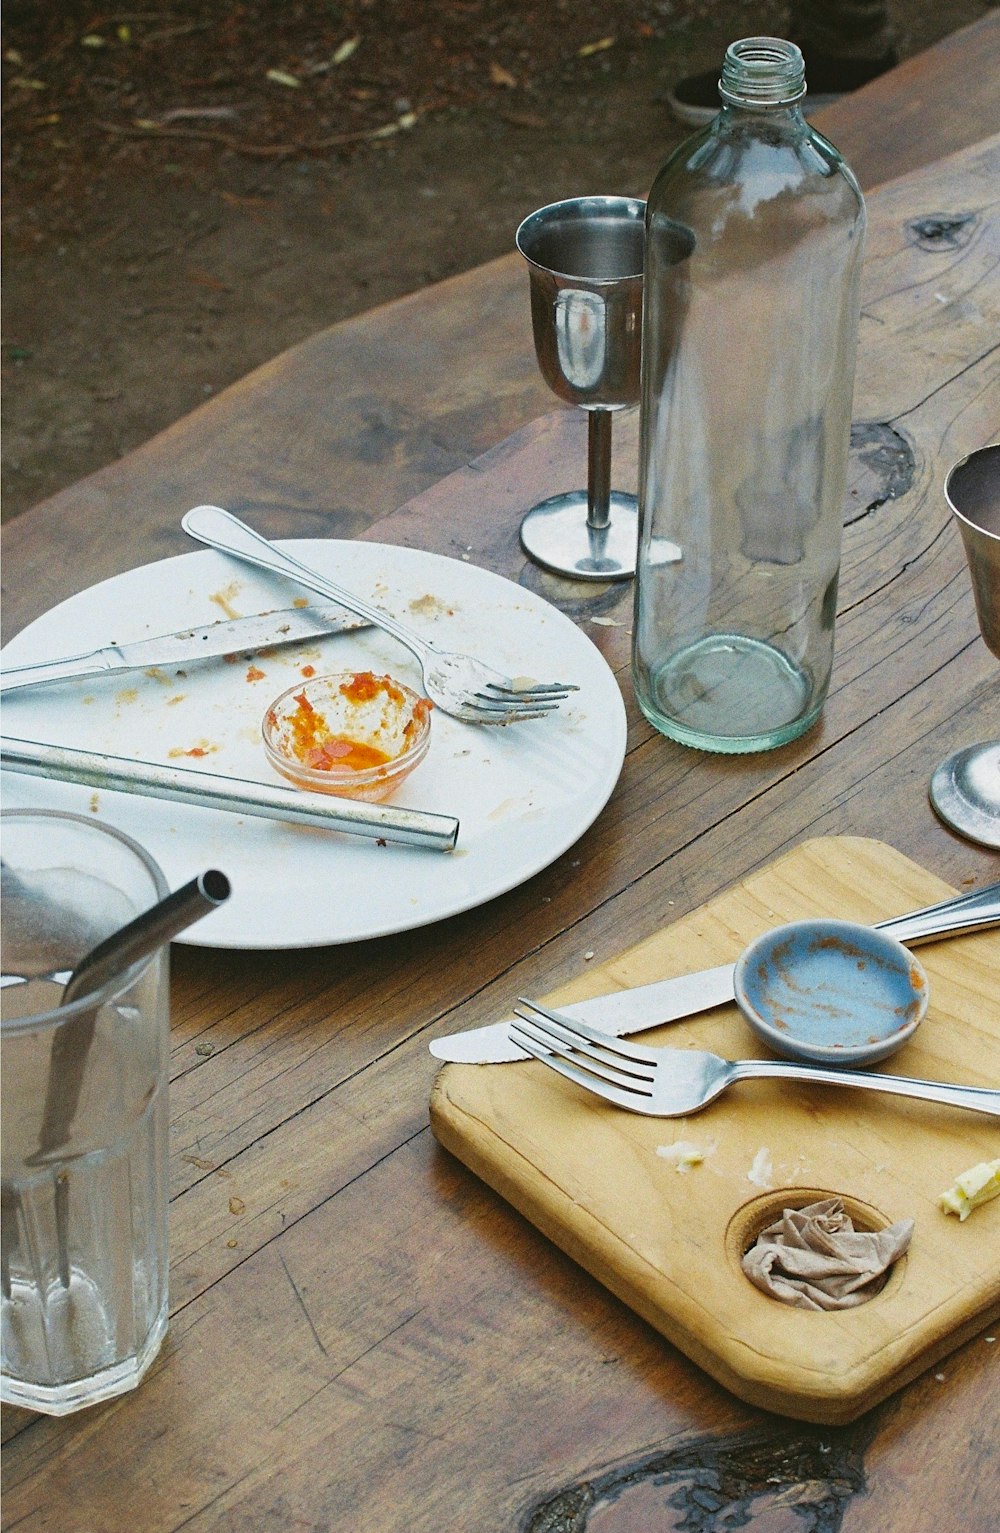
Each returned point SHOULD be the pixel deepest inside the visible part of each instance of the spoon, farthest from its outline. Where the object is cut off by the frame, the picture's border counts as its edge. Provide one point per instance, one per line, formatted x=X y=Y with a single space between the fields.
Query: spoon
x=108 y=961
x=831 y=992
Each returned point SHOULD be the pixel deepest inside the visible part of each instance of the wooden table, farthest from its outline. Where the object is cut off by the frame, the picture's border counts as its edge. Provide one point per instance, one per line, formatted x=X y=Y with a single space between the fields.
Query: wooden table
x=364 y=1337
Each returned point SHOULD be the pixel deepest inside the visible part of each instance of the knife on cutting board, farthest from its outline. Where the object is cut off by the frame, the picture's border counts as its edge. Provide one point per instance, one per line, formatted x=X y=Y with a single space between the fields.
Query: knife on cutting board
x=669 y=1000
x=233 y=636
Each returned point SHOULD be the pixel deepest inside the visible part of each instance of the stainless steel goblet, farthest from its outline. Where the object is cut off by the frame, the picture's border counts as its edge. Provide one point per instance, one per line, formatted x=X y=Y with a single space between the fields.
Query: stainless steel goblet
x=585 y=259
x=965 y=789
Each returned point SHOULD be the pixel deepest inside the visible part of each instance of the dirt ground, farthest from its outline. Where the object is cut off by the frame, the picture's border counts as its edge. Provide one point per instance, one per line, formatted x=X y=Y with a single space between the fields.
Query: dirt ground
x=192 y=187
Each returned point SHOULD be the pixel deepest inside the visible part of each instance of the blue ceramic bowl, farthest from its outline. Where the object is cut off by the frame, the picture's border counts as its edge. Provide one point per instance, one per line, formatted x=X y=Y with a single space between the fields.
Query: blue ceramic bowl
x=831 y=992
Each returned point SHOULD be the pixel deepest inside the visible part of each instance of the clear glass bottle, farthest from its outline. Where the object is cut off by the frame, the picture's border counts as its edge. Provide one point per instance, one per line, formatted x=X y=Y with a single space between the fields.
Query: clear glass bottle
x=754 y=236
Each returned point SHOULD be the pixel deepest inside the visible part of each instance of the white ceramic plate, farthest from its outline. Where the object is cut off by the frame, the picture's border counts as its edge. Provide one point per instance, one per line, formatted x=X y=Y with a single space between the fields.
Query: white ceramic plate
x=522 y=794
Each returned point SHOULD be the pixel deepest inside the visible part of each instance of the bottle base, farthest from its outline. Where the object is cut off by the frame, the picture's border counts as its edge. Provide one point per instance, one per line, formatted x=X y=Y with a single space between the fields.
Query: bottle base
x=732 y=695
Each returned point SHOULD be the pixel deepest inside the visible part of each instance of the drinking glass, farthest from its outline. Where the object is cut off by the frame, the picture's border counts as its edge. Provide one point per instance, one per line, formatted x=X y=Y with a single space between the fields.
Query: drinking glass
x=965 y=789
x=585 y=258
x=83 y=1136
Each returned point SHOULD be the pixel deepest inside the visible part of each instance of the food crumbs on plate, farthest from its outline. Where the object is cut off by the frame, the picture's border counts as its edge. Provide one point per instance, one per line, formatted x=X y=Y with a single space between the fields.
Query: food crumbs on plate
x=203 y=748
x=971 y=1189
x=94 y=803
x=224 y=598
x=129 y=695
x=683 y=1155
x=254 y=673
x=431 y=606
x=301 y=601
x=761 y=1173
x=308 y=670
x=237 y=1206
x=172 y=702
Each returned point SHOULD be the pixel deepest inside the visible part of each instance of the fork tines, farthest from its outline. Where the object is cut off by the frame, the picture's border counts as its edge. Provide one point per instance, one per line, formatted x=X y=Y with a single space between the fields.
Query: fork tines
x=539 y=690
x=504 y=710
x=582 y=1053
x=514 y=703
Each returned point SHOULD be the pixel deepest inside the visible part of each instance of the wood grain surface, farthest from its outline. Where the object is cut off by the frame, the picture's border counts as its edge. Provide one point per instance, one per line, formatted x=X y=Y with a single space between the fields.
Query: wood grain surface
x=338 y=431
x=364 y=1336
x=588 y=1174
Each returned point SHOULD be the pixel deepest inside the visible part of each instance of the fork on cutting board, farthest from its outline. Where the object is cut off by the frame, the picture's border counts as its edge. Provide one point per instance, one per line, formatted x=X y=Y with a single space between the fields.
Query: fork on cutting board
x=460 y=685
x=671 y=1083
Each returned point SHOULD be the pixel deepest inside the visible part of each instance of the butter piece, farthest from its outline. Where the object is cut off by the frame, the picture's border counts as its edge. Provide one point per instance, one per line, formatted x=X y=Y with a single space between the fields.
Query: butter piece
x=977 y=1185
x=761 y=1173
x=682 y=1153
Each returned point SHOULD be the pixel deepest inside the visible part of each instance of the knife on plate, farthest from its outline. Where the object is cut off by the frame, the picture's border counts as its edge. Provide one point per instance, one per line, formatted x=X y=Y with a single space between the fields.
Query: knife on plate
x=233 y=636
x=669 y=1000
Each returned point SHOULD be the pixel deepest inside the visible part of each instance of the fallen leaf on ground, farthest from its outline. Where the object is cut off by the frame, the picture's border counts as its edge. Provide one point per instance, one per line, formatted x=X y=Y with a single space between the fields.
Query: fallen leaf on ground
x=214 y=113
x=501 y=76
x=236 y=201
x=524 y=119
x=345 y=50
x=598 y=47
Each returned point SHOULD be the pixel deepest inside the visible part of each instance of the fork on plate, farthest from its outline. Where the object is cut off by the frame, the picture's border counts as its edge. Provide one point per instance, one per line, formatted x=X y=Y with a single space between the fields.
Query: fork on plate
x=671 y=1083
x=459 y=684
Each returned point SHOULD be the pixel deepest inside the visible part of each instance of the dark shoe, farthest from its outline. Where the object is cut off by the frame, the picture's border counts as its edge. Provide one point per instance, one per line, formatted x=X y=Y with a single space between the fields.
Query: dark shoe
x=695 y=99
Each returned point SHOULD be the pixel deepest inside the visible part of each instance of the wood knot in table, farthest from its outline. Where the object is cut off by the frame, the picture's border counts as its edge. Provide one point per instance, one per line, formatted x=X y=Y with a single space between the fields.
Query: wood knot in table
x=712 y=1483
x=881 y=468
x=942 y=231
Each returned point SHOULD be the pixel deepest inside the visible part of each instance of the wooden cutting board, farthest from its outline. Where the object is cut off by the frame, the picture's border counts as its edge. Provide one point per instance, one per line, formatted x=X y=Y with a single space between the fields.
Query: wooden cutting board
x=669 y=1244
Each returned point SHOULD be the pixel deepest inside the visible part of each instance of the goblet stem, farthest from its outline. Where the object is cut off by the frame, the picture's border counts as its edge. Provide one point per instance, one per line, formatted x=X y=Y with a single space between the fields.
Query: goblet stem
x=599 y=470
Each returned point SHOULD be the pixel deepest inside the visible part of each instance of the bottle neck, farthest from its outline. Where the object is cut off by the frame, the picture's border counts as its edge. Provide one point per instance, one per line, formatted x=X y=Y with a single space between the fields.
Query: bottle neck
x=762 y=74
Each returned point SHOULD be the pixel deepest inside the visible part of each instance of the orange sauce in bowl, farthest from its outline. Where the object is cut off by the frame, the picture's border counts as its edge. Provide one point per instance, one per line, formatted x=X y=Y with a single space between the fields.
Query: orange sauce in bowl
x=311 y=741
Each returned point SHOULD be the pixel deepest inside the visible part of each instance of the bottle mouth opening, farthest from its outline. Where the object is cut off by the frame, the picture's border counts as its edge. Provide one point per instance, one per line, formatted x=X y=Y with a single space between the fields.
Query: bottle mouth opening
x=762 y=72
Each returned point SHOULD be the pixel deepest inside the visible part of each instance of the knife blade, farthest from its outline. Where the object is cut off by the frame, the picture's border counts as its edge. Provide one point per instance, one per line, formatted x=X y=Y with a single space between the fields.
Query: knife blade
x=231 y=636
x=670 y=1000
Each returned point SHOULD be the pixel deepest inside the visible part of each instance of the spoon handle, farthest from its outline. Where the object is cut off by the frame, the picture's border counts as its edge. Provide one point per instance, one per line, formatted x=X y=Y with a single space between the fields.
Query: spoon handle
x=950 y=918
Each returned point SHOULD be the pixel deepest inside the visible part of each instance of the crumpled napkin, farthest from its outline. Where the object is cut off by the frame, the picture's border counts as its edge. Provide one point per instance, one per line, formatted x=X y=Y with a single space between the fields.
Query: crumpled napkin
x=814 y=1258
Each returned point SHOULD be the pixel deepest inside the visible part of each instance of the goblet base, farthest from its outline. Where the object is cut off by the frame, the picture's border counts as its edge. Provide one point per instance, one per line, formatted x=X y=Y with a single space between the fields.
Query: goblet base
x=965 y=792
x=557 y=535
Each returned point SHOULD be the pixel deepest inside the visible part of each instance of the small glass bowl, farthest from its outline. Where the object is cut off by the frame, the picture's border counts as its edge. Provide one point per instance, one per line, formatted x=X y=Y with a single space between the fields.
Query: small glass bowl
x=354 y=734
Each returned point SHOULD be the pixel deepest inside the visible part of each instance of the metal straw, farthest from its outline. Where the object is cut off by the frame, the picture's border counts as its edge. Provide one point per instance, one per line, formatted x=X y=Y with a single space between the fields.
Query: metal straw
x=103 y=963
x=211 y=790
